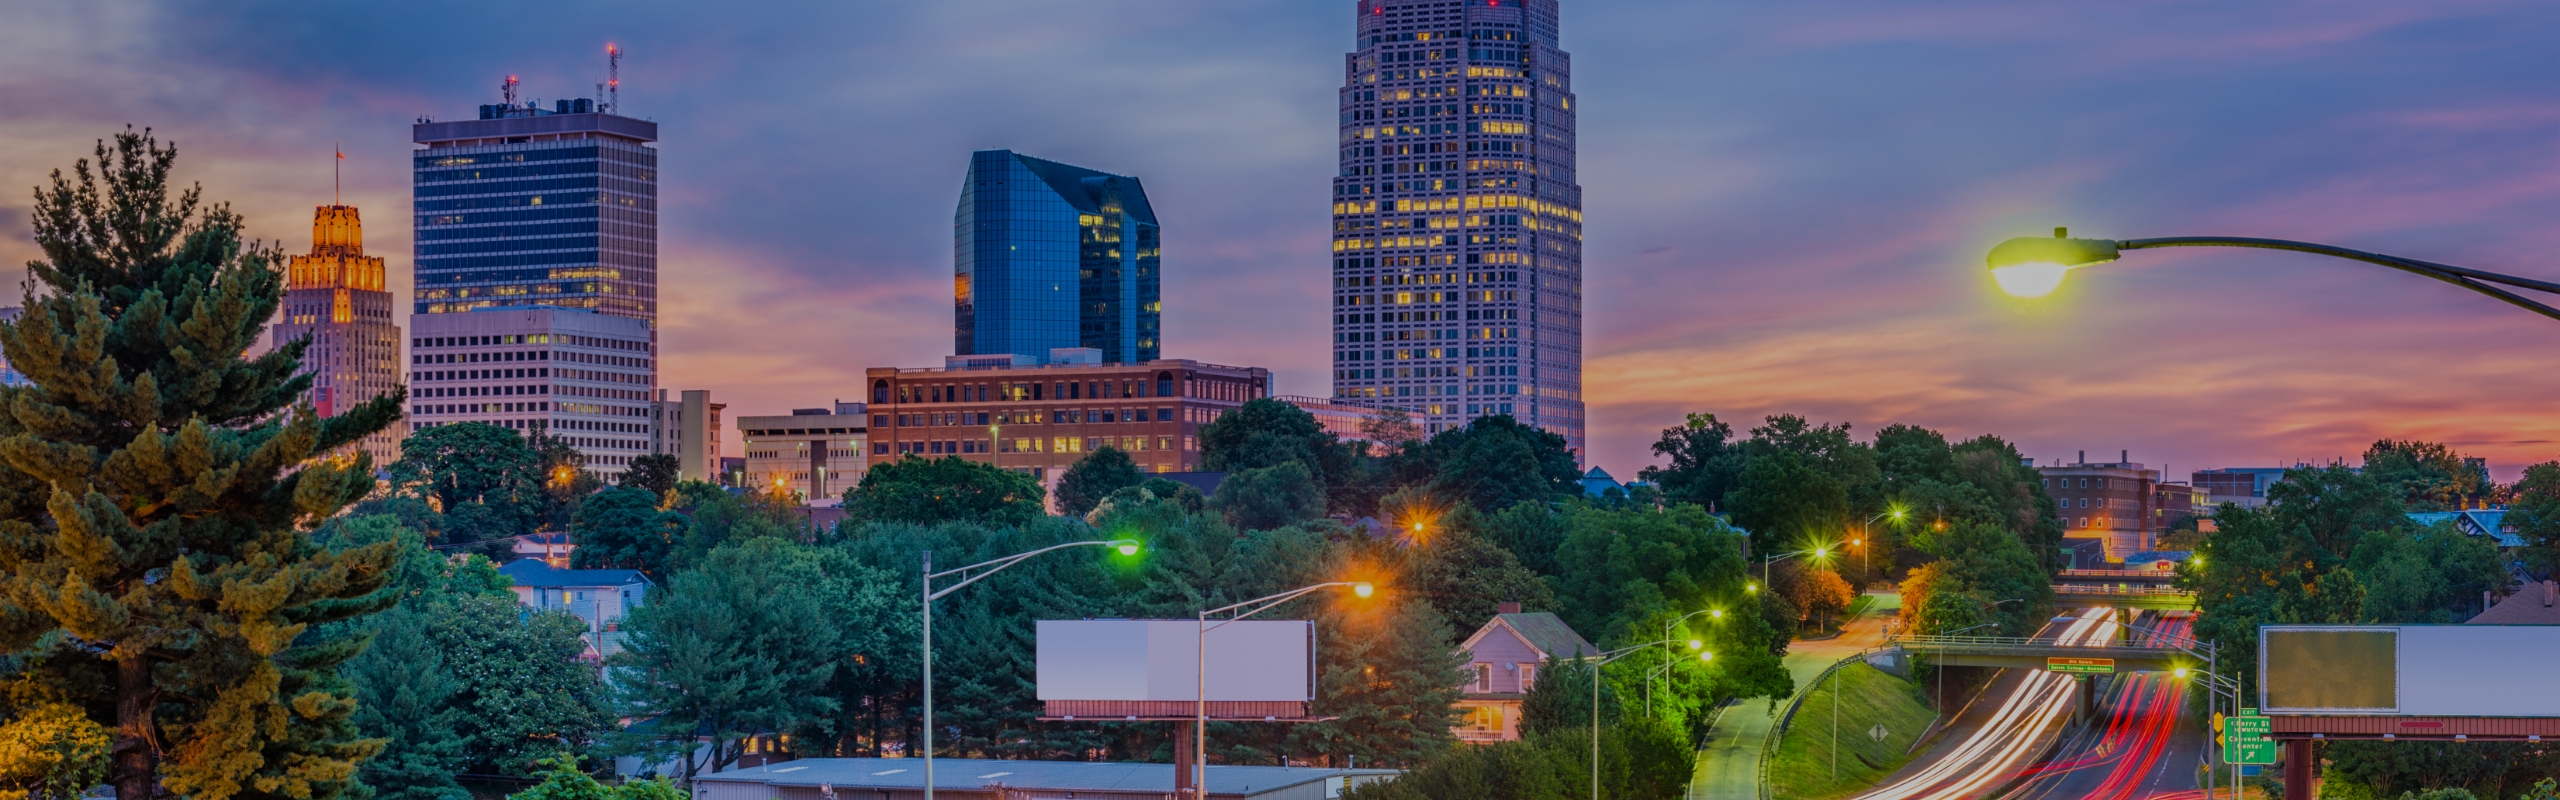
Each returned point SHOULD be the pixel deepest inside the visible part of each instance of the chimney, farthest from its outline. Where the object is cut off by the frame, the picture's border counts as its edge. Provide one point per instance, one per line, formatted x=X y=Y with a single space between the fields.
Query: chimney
x=2124 y=456
x=2084 y=456
x=2549 y=588
x=1506 y=608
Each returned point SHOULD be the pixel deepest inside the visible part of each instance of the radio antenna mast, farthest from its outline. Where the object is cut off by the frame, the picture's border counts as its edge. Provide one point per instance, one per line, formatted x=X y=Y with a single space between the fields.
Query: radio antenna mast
x=509 y=90
x=613 y=76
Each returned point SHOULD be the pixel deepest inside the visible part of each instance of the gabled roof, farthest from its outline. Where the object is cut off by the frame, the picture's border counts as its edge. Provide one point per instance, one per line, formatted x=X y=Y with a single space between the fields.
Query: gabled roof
x=532 y=572
x=1543 y=632
x=2482 y=522
x=2537 y=604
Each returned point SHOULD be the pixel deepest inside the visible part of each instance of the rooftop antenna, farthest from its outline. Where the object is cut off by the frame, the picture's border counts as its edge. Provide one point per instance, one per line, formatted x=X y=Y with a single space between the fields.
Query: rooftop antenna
x=334 y=163
x=613 y=76
x=509 y=89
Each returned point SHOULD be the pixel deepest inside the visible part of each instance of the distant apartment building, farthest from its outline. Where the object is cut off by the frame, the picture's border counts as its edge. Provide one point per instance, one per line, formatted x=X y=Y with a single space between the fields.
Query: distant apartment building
x=335 y=297
x=689 y=428
x=2245 y=487
x=1039 y=419
x=2111 y=502
x=2174 y=501
x=815 y=453
x=1344 y=420
x=1503 y=661
x=576 y=374
x=1049 y=256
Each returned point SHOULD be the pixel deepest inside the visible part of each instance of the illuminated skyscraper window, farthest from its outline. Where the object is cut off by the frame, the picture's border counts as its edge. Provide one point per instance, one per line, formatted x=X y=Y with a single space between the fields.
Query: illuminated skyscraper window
x=1457 y=218
x=336 y=298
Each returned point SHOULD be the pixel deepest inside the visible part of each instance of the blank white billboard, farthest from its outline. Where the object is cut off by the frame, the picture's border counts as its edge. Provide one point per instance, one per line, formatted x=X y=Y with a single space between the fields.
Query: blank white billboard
x=2409 y=670
x=1156 y=659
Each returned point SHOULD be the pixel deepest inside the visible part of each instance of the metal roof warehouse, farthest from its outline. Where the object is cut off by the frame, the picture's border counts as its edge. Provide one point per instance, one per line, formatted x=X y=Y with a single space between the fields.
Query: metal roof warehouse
x=986 y=779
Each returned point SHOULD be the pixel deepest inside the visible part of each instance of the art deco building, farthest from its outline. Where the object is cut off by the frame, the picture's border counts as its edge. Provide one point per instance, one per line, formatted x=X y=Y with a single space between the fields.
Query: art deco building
x=1049 y=256
x=1457 y=263
x=335 y=296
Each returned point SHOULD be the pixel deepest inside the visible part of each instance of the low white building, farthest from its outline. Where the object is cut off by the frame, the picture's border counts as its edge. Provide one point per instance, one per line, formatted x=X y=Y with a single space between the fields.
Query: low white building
x=815 y=452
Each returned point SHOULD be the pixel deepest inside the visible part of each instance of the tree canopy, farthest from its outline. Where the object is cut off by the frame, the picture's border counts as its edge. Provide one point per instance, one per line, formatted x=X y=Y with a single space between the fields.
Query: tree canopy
x=949 y=489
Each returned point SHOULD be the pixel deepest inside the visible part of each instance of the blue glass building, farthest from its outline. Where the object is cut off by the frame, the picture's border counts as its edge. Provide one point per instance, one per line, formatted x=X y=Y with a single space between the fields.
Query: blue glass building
x=1051 y=256
x=533 y=206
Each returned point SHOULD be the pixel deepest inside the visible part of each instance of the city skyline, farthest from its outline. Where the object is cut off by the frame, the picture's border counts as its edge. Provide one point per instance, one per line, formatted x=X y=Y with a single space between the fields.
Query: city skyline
x=1762 y=253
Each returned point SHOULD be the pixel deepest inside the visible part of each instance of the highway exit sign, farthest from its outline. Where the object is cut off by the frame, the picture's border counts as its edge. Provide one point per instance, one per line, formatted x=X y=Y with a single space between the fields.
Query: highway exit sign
x=2094 y=666
x=2245 y=741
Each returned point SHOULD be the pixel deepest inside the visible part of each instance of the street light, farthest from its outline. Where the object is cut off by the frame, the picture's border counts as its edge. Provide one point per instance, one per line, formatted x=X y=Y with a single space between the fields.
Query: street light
x=1127 y=547
x=1200 y=653
x=2033 y=267
x=1596 y=663
x=1694 y=644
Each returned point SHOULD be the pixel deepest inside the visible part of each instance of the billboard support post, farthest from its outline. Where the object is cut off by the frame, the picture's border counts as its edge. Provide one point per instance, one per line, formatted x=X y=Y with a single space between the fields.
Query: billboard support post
x=928 y=595
x=1199 y=785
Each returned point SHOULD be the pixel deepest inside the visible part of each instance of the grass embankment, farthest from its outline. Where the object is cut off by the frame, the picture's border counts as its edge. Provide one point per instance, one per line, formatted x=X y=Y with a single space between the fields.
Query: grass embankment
x=1801 y=769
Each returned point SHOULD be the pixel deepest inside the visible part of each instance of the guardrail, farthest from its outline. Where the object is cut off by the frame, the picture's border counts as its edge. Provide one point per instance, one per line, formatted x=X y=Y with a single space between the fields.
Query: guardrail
x=2123 y=574
x=1778 y=728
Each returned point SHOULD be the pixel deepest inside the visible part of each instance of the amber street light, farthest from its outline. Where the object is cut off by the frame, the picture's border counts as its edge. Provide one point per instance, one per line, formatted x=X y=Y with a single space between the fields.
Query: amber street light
x=2033 y=267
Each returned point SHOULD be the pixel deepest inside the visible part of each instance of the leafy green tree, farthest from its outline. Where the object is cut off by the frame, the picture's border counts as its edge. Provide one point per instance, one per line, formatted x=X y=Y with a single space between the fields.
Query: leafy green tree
x=1154 y=490
x=151 y=482
x=2535 y=515
x=1788 y=503
x=405 y=697
x=1467 y=577
x=2287 y=562
x=2428 y=476
x=1533 y=533
x=623 y=529
x=565 y=781
x=737 y=648
x=1623 y=574
x=1094 y=477
x=522 y=689
x=1266 y=432
x=1263 y=498
x=950 y=489
x=655 y=473
x=1981 y=568
x=1705 y=463
x=1494 y=462
x=2434 y=575
x=1559 y=701
x=484 y=480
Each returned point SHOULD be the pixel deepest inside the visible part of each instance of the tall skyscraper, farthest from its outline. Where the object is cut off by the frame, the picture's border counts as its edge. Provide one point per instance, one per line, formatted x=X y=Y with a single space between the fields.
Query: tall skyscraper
x=1049 y=256
x=530 y=206
x=1457 y=221
x=336 y=297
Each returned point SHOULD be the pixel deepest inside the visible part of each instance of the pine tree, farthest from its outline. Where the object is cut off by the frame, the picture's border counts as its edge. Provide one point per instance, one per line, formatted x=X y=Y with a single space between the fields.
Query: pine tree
x=407 y=700
x=151 y=483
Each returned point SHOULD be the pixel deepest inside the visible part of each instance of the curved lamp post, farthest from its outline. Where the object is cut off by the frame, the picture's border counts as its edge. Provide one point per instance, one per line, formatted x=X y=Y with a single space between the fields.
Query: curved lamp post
x=1127 y=547
x=1694 y=644
x=2033 y=267
x=1596 y=663
x=1200 y=653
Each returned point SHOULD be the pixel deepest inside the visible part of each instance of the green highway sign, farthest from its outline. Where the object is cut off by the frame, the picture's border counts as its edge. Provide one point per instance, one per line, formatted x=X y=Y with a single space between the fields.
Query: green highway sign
x=2094 y=666
x=2245 y=740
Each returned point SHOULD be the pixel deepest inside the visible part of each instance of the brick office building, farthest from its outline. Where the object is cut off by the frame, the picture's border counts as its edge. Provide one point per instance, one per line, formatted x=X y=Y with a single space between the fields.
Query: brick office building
x=2113 y=502
x=1039 y=419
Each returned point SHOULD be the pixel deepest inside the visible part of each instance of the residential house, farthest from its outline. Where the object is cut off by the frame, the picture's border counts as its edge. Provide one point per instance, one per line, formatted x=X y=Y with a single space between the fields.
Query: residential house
x=600 y=597
x=1503 y=661
x=2480 y=522
x=548 y=548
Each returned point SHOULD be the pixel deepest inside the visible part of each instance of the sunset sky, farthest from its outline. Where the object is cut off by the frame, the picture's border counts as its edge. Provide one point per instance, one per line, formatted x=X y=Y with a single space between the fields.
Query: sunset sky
x=1786 y=203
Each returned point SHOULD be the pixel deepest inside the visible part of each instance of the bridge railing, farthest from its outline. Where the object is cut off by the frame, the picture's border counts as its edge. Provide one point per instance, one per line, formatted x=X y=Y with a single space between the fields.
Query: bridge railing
x=2121 y=574
x=2159 y=591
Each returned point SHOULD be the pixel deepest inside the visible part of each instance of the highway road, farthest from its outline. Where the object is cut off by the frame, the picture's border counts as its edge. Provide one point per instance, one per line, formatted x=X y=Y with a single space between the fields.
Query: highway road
x=2147 y=748
x=2012 y=733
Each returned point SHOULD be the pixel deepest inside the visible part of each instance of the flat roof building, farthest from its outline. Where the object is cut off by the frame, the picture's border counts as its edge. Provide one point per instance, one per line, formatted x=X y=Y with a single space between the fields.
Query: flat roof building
x=1040 y=419
x=577 y=374
x=815 y=453
x=2112 y=502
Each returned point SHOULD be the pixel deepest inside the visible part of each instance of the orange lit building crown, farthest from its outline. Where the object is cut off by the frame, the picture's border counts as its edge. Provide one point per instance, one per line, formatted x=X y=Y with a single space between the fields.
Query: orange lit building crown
x=337 y=260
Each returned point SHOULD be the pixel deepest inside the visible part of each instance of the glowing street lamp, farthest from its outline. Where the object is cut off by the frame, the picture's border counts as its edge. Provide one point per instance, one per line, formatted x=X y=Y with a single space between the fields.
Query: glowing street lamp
x=968 y=575
x=2034 y=267
x=1200 y=650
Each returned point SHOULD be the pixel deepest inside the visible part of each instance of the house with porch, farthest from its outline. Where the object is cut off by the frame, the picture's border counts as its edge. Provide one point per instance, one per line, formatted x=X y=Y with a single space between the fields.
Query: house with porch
x=1503 y=661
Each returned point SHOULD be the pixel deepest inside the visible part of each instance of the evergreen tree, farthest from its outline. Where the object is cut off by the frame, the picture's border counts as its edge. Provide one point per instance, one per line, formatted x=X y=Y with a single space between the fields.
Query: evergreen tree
x=1094 y=477
x=152 y=483
x=404 y=697
x=739 y=647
